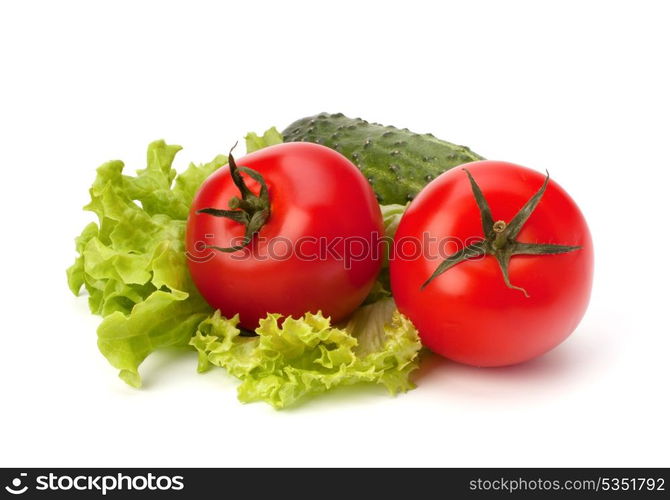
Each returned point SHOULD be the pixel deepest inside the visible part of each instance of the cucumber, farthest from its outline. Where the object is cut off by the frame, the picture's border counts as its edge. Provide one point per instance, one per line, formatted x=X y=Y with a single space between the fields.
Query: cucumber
x=398 y=163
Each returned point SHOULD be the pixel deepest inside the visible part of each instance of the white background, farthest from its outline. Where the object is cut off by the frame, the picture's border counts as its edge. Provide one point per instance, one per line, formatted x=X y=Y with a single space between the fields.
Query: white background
x=580 y=89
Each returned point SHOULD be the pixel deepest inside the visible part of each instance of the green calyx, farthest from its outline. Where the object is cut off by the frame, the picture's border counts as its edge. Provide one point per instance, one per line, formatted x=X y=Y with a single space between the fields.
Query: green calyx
x=500 y=237
x=249 y=209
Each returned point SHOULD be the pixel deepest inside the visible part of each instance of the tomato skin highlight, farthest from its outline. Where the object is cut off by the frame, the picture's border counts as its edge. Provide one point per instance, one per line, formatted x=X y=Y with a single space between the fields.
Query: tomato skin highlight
x=316 y=194
x=468 y=314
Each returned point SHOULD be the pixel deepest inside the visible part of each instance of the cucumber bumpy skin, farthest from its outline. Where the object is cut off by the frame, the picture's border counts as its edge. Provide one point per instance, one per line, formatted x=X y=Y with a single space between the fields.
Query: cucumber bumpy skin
x=397 y=162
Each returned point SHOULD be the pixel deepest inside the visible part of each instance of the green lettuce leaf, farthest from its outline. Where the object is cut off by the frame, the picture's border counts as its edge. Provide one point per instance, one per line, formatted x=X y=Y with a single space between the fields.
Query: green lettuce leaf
x=132 y=261
x=291 y=360
x=132 y=264
x=391 y=215
x=269 y=138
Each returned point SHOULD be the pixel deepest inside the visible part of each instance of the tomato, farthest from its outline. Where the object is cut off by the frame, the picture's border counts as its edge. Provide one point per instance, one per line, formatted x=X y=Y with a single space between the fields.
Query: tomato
x=303 y=245
x=470 y=310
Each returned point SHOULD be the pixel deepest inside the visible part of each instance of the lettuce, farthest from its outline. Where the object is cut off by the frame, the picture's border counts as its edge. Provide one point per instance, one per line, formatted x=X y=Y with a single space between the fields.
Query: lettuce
x=255 y=142
x=132 y=261
x=382 y=287
x=296 y=358
x=132 y=264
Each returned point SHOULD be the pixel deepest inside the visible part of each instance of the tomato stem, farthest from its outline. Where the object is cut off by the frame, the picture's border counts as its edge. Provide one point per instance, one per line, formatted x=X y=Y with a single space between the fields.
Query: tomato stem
x=500 y=237
x=250 y=210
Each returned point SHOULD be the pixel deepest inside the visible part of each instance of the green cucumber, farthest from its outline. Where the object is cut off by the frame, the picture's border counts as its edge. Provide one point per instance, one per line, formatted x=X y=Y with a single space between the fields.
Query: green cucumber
x=398 y=163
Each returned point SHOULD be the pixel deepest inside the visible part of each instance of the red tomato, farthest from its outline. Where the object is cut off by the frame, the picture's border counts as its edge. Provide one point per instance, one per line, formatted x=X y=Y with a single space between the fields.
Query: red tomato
x=468 y=313
x=311 y=254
